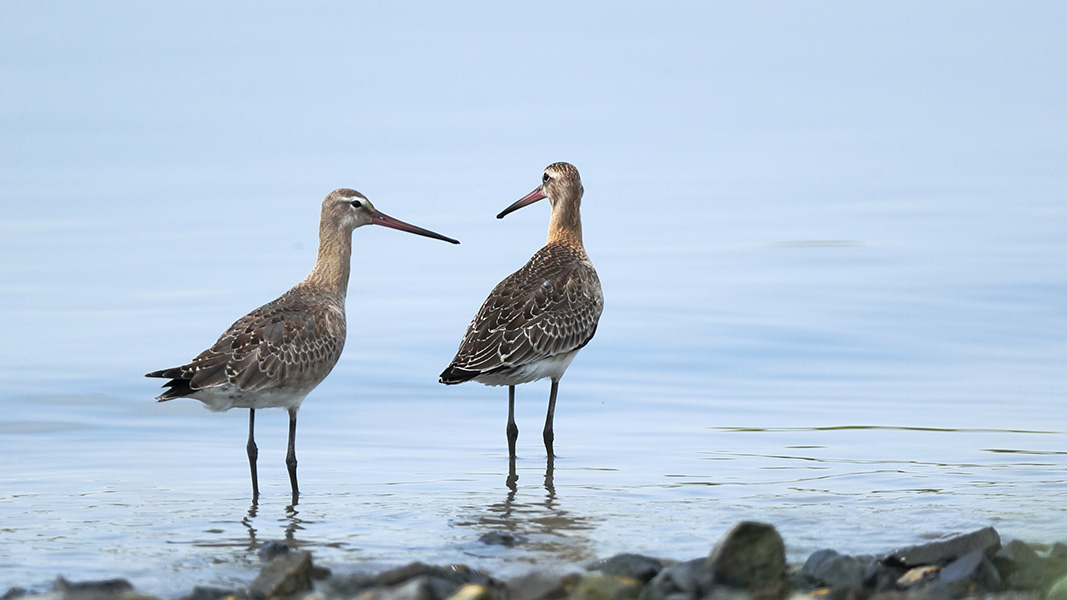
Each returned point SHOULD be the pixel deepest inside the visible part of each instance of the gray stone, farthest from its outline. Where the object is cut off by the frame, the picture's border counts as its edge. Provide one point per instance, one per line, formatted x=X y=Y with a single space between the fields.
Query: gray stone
x=827 y=568
x=210 y=593
x=877 y=575
x=414 y=581
x=634 y=566
x=971 y=573
x=108 y=589
x=751 y=556
x=691 y=579
x=943 y=551
x=1021 y=567
x=285 y=575
x=539 y=585
x=416 y=588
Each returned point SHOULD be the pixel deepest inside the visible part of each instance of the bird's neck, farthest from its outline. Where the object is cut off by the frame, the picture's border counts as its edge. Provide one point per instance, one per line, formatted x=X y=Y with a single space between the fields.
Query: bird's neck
x=334 y=263
x=565 y=224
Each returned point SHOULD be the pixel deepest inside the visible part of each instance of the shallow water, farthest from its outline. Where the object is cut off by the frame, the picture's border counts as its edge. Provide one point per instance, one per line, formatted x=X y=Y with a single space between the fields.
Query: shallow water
x=838 y=310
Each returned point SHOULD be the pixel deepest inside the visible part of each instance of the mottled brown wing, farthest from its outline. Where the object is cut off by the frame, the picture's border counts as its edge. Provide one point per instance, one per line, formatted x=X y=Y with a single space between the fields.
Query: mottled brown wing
x=550 y=306
x=294 y=339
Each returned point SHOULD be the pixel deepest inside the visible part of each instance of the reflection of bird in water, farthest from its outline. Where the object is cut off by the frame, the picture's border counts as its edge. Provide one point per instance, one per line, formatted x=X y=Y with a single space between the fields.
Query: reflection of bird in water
x=536 y=525
x=534 y=321
x=275 y=355
x=270 y=547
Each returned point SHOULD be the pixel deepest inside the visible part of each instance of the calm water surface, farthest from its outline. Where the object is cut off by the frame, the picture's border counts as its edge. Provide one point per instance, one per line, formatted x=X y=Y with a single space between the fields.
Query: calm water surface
x=835 y=284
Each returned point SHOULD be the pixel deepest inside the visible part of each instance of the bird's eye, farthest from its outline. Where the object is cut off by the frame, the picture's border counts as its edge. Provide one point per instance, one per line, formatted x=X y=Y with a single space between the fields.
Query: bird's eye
x=357 y=204
x=545 y=178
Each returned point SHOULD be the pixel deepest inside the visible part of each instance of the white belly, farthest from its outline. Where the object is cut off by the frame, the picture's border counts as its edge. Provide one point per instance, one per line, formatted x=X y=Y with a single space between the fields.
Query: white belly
x=227 y=396
x=553 y=366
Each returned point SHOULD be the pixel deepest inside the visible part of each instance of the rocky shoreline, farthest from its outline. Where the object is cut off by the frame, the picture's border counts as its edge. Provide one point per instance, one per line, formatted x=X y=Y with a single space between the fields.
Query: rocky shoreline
x=747 y=563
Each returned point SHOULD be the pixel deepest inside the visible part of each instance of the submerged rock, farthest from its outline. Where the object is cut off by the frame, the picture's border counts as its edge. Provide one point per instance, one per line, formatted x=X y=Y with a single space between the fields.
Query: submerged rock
x=107 y=589
x=497 y=538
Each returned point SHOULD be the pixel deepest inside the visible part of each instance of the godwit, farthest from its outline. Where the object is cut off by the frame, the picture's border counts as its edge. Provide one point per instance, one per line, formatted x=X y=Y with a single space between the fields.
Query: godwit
x=534 y=321
x=276 y=354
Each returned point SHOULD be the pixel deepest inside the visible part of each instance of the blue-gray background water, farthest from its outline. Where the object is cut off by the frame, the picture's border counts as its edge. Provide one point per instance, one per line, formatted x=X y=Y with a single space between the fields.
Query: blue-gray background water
x=832 y=239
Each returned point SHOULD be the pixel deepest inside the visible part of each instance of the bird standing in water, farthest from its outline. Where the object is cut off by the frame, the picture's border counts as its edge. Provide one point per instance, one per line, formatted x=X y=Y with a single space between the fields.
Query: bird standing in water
x=275 y=355
x=534 y=321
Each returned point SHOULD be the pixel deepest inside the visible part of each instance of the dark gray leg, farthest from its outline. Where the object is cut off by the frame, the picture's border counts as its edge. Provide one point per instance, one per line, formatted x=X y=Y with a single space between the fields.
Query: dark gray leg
x=253 y=452
x=513 y=429
x=290 y=456
x=548 y=419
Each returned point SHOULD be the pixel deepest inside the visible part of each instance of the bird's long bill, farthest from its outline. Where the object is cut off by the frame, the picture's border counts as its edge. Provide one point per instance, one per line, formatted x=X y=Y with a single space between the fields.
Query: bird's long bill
x=526 y=200
x=387 y=221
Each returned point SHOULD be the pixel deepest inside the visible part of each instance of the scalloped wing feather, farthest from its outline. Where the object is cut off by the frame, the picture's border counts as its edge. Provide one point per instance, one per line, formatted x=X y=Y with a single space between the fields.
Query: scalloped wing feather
x=547 y=308
x=293 y=341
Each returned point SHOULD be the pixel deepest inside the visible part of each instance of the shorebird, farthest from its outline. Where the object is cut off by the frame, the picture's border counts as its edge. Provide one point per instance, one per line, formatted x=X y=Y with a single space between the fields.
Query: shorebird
x=275 y=355
x=534 y=321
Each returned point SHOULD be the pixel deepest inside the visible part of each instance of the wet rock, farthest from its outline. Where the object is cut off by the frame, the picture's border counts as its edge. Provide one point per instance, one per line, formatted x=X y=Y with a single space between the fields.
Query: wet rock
x=878 y=576
x=417 y=588
x=827 y=568
x=634 y=566
x=751 y=556
x=414 y=581
x=287 y=574
x=109 y=589
x=973 y=572
x=598 y=586
x=1021 y=566
x=539 y=586
x=269 y=550
x=210 y=593
x=943 y=551
x=507 y=540
x=690 y=579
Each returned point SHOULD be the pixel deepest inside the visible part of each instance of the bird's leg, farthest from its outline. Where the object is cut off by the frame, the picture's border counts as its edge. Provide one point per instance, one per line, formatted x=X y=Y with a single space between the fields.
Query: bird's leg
x=253 y=453
x=548 y=419
x=513 y=429
x=290 y=455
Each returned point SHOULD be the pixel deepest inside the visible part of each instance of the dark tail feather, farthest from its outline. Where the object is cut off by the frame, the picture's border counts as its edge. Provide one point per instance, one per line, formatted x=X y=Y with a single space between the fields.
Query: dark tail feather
x=177 y=387
x=453 y=375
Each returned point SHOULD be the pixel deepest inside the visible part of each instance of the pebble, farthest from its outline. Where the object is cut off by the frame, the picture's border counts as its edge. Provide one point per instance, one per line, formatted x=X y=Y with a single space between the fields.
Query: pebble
x=747 y=563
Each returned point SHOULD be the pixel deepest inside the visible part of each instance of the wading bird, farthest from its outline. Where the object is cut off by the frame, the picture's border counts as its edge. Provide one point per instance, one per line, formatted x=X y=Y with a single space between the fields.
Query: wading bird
x=534 y=321
x=275 y=355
